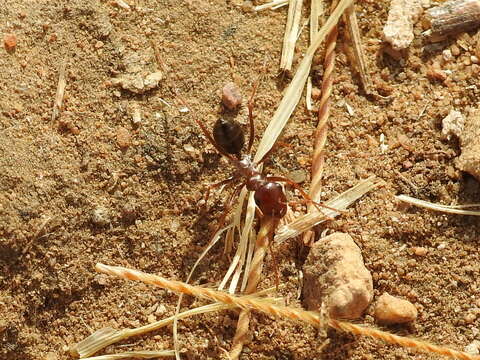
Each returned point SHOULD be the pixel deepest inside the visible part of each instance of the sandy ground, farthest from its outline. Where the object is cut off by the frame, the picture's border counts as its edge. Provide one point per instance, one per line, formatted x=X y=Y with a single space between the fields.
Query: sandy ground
x=91 y=186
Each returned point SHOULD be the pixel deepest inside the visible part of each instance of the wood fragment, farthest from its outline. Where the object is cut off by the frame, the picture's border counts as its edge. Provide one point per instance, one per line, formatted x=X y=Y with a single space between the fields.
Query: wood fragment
x=62 y=83
x=452 y=17
x=291 y=34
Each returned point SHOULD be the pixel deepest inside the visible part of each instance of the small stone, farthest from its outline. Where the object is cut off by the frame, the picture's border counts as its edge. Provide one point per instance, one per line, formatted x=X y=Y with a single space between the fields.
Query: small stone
x=453 y=124
x=102 y=279
x=334 y=274
x=435 y=73
x=151 y=318
x=124 y=138
x=420 y=251
x=392 y=310
x=231 y=96
x=10 y=42
x=469 y=160
x=398 y=30
x=473 y=348
x=100 y=216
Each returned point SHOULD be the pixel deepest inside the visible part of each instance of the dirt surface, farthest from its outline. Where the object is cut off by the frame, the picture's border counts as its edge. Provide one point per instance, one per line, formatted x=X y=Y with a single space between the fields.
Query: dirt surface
x=92 y=186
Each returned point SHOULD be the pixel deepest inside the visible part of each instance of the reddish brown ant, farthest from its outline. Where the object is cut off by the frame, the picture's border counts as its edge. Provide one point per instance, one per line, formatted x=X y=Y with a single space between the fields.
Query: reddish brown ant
x=228 y=139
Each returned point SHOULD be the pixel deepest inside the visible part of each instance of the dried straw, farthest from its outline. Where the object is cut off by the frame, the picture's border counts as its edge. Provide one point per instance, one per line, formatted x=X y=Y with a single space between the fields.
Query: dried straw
x=318 y=158
x=267 y=227
x=453 y=209
x=281 y=311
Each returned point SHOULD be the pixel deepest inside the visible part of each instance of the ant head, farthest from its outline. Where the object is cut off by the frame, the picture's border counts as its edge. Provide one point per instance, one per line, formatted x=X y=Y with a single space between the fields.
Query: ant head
x=229 y=136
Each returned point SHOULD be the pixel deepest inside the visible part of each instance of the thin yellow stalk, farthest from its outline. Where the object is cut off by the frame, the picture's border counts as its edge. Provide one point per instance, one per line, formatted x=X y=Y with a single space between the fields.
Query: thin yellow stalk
x=291 y=34
x=305 y=222
x=310 y=317
x=455 y=209
x=267 y=227
x=352 y=25
x=134 y=354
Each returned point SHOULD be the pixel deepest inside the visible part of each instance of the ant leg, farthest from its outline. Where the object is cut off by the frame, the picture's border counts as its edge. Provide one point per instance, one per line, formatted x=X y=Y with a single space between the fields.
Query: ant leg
x=303 y=193
x=214 y=186
x=214 y=238
x=251 y=104
x=204 y=130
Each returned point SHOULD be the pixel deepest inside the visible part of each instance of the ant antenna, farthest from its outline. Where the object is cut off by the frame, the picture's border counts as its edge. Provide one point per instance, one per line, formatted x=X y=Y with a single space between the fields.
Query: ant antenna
x=204 y=129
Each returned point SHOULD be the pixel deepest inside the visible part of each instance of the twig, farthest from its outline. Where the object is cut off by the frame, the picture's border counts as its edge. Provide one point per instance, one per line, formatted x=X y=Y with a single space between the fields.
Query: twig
x=291 y=32
x=453 y=17
x=62 y=83
x=267 y=227
x=283 y=312
x=134 y=354
x=318 y=158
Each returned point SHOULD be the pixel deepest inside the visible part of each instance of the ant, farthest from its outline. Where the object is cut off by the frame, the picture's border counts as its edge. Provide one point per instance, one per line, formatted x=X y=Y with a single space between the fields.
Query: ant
x=229 y=139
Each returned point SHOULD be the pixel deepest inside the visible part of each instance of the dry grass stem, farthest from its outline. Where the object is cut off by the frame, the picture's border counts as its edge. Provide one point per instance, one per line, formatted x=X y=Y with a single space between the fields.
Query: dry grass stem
x=356 y=38
x=102 y=338
x=62 y=83
x=455 y=209
x=212 y=242
x=295 y=88
x=318 y=158
x=316 y=10
x=284 y=312
x=134 y=354
x=275 y=4
x=291 y=34
x=267 y=228
x=341 y=202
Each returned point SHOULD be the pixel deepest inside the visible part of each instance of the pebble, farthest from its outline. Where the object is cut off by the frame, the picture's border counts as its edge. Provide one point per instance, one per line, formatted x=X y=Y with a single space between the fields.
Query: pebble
x=100 y=216
x=231 y=96
x=392 y=310
x=398 y=30
x=10 y=42
x=473 y=348
x=453 y=124
x=124 y=138
x=334 y=273
x=469 y=160
x=138 y=83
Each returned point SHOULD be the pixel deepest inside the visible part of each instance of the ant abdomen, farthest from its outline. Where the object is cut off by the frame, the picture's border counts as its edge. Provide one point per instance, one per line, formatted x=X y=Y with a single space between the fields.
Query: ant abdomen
x=271 y=199
x=229 y=136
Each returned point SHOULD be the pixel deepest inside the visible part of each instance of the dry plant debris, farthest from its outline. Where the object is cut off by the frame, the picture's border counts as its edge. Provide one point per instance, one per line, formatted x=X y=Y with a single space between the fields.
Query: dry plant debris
x=335 y=275
x=261 y=305
x=452 y=17
x=291 y=34
x=403 y=14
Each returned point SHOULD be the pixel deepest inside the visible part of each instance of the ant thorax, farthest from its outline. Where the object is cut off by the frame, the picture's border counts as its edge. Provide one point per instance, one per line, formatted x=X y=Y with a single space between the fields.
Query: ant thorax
x=246 y=168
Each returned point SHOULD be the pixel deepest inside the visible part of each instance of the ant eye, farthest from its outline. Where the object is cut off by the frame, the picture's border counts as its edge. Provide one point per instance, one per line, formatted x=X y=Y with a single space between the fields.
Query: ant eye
x=229 y=136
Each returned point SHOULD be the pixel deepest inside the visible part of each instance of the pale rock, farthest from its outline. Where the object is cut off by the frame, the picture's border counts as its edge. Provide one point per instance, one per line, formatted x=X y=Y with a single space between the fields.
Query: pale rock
x=334 y=273
x=398 y=30
x=453 y=124
x=392 y=310
x=469 y=160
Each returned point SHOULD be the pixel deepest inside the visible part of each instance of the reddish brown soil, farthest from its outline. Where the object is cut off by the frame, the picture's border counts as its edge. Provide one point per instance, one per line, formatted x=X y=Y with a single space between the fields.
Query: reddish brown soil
x=55 y=174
